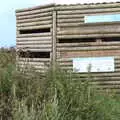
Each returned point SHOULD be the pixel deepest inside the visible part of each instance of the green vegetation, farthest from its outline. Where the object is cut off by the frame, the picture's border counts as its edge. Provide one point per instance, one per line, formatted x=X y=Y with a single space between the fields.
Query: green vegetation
x=29 y=95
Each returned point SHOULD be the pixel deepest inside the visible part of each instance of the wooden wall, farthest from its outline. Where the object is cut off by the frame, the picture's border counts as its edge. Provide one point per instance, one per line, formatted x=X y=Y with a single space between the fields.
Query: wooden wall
x=37 y=18
x=67 y=23
x=71 y=25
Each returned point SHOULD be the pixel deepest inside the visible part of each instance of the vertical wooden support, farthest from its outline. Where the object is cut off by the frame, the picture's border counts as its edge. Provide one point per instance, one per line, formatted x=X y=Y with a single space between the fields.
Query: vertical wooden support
x=54 y=40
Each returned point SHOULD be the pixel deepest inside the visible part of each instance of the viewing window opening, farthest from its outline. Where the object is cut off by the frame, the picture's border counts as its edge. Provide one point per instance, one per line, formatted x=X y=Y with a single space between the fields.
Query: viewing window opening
x=102 y=18
x=111 y=39
x=76 y=40
x=29 y=54
x=30 y=31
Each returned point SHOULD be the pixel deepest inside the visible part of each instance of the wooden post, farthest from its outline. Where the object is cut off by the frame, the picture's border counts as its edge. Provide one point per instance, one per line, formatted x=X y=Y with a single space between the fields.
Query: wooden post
x=54 y=40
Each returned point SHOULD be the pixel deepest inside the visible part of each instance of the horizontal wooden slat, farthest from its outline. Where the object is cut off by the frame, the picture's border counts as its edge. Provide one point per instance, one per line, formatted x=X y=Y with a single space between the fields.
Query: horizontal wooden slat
x=34 y=16
x=25 y=13
x=70 y=20
x=83 y=44
x=69 y=16
x=85 y=25
x=108 y=86
x=88 y=35
x=90 y=53
x=34 y=63
x=89 y=11
x=88 y=6
x=33 y=35
x=98 y=28
x=104 y=74
x=34 y=19
x=35 y=46
x=66 y=64
x=35 y=8
x=35 y=23
x=105 y=79
x=35 y=38
x=89 y=48
x=36 y=67
x=33 y=42
x=30 y=65
x=34 y=59
x=34 y=27
x=34 y=49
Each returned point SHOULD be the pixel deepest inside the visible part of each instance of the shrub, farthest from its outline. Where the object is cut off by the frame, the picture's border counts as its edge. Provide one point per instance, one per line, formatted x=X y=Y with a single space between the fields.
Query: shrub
x=54 y=95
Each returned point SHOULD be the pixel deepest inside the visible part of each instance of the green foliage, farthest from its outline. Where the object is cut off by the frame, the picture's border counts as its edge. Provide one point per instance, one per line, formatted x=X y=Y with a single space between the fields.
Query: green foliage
x=54 y=95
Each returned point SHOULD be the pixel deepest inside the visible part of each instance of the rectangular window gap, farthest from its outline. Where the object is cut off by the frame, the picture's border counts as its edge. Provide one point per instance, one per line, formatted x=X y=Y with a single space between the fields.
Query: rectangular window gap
x=102 y=18
x=76 y=40
x=29 y=54
x=111 y=39
x=30 y=31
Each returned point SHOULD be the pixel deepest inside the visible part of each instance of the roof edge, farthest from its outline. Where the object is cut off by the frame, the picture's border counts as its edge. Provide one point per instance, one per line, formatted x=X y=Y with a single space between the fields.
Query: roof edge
x=55 y=5
x=35 y=7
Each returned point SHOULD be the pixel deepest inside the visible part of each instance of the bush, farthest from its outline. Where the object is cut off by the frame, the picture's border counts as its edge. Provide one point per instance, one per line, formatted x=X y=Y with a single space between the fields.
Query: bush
x=54 y=95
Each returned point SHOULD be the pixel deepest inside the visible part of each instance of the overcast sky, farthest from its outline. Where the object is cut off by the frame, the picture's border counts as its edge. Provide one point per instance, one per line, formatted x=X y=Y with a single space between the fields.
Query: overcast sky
x=7 y=15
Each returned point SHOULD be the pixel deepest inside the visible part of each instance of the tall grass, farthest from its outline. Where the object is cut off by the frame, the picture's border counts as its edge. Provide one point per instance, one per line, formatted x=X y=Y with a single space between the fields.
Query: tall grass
x=31 y=95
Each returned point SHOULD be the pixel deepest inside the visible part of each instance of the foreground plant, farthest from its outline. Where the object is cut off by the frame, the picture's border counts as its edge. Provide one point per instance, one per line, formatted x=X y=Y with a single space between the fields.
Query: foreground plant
x=54 y=95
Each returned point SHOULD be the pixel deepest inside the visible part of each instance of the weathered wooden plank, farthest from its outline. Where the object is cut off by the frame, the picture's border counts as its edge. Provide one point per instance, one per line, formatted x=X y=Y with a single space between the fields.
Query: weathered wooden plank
x=34 y=46
x=88 y=6
x=78 y=25
x=34 y=16
x=113 y=28
x=102 y=74
x=31 y=66
x=34 y=63
x=34 y=8
x=105 y=79
x=38 y=49
x=46 y=22
x=38 y=11
x=27 y=36
x=72 y=20
x=90 y=53
x=108 y=86
x=33 y=42
x=86 y=25
x=88 y=35
x=64 y=60
x=89 y=48
x=34 y=19
x=69 y=16
x=35 y=38
x=34 y=27
x=117 y=59
x=89 y=11
x=106 y=83
x=64 y=64
x=46 y=60
x=83 y=44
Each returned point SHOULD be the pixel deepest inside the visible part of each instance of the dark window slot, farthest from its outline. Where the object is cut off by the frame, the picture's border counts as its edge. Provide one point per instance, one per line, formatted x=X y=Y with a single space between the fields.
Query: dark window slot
x=34 y=54
x=27 y=31
x=76 y=40
x=111 y=39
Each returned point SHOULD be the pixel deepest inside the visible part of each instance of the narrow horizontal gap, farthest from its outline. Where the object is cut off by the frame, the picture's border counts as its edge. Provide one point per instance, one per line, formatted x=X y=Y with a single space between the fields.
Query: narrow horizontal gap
x=111 y=39
x=86 y=40
x=30 y=31
x=76 y=40
x=29 y=54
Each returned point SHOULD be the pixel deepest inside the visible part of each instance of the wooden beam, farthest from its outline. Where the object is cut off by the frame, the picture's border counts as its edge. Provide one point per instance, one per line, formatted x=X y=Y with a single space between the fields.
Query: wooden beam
x=54 y=29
